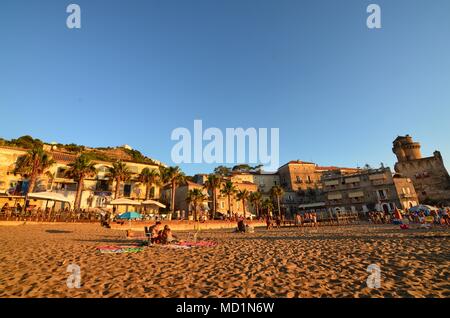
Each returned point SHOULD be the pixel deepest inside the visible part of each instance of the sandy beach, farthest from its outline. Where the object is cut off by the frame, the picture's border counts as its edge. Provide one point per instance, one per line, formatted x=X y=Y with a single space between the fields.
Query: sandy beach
x=287 y=262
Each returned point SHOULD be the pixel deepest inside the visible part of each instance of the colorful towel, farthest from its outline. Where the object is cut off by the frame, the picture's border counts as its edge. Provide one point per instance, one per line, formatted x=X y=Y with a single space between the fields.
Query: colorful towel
x=113 y=249
x=197 y=244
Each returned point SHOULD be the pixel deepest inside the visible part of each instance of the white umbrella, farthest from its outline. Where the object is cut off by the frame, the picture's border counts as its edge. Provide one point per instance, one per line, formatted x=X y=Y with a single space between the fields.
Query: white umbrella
x=50 y=196
x=124 y=201
x=153 y=202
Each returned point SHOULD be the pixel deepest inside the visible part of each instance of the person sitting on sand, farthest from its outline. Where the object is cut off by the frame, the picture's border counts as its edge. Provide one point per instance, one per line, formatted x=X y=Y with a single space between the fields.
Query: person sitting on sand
x=155 y=232
x=5 y=207
x=167 y=236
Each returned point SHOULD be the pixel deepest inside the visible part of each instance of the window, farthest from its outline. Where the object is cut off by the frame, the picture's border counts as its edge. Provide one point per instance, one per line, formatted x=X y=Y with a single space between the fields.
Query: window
x=102 y=185
x=222 y=205
x=152 y=192
x=61 y=173
x=127 y=190
x=382 y=194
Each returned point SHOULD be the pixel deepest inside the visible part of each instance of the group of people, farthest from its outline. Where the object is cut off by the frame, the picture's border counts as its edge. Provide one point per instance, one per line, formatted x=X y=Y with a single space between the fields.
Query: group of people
x=438 y=217
x=307 y=217
x=379 y=217
x=161 y=235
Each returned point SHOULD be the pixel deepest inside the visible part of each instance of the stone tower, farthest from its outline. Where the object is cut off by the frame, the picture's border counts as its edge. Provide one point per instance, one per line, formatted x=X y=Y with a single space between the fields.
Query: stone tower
x=406 y=149
x=430 y=178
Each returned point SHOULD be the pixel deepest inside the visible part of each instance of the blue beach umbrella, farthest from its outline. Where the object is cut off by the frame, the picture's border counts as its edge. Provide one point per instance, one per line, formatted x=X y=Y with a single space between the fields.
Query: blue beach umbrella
x=130 y=216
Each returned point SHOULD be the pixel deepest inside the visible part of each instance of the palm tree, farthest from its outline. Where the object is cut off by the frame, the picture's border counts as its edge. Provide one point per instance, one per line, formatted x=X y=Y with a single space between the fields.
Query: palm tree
x=149 y=177
x=229 y=190
x=243 y=196
x=119 y=173
x=80 y=169
x=222 y=171
x=32 y=165
x=276 y=192
x=213 y=183
x=174 y=176
x=256 y=199
x=195 y=197
x=267 y=205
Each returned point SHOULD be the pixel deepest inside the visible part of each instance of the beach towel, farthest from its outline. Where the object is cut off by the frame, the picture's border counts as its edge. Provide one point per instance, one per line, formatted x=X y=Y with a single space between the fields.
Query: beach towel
x=114 y=249
x=197 y=244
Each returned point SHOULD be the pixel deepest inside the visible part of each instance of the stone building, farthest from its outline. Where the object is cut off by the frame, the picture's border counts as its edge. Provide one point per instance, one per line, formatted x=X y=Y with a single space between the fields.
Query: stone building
x=429 y=175
x=368 y=190
x=302 y=184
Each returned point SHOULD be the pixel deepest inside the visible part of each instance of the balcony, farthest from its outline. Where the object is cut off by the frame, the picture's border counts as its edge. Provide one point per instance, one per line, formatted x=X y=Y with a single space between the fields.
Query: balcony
x=379 y=182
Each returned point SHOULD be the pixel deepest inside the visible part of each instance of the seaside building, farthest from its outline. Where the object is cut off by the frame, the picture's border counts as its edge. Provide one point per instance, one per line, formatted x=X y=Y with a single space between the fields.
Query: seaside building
x=98 y=190
x=181 y=205
x=368 y=190
x=302 y=184
x=429 y=175
x=222 y=205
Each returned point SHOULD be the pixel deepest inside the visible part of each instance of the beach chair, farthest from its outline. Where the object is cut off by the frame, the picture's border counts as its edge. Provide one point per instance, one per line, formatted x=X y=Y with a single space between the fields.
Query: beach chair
x=148 y=234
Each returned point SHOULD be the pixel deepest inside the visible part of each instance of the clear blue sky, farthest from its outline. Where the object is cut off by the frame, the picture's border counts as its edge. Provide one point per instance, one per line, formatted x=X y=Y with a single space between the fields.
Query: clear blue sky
x=339 y=92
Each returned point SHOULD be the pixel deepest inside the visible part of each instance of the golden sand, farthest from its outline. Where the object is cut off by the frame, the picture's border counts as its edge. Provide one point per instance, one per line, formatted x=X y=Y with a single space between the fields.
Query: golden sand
x=307 y=262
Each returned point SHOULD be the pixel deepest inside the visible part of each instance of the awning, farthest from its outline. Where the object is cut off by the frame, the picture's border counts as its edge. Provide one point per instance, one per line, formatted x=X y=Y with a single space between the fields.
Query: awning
x=50 y=196
x=378 y=176
x=357 y=194
x=124 y=201
x=312 y=205
x=153 y=202
x=336 y=196
x=352 y=180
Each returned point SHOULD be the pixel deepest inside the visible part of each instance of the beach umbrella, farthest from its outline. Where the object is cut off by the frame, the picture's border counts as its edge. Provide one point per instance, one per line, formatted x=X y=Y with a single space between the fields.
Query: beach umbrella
x=130 y=216
x=154 y=205
x=153 y=202
x=125 y=201
x=421 y=207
